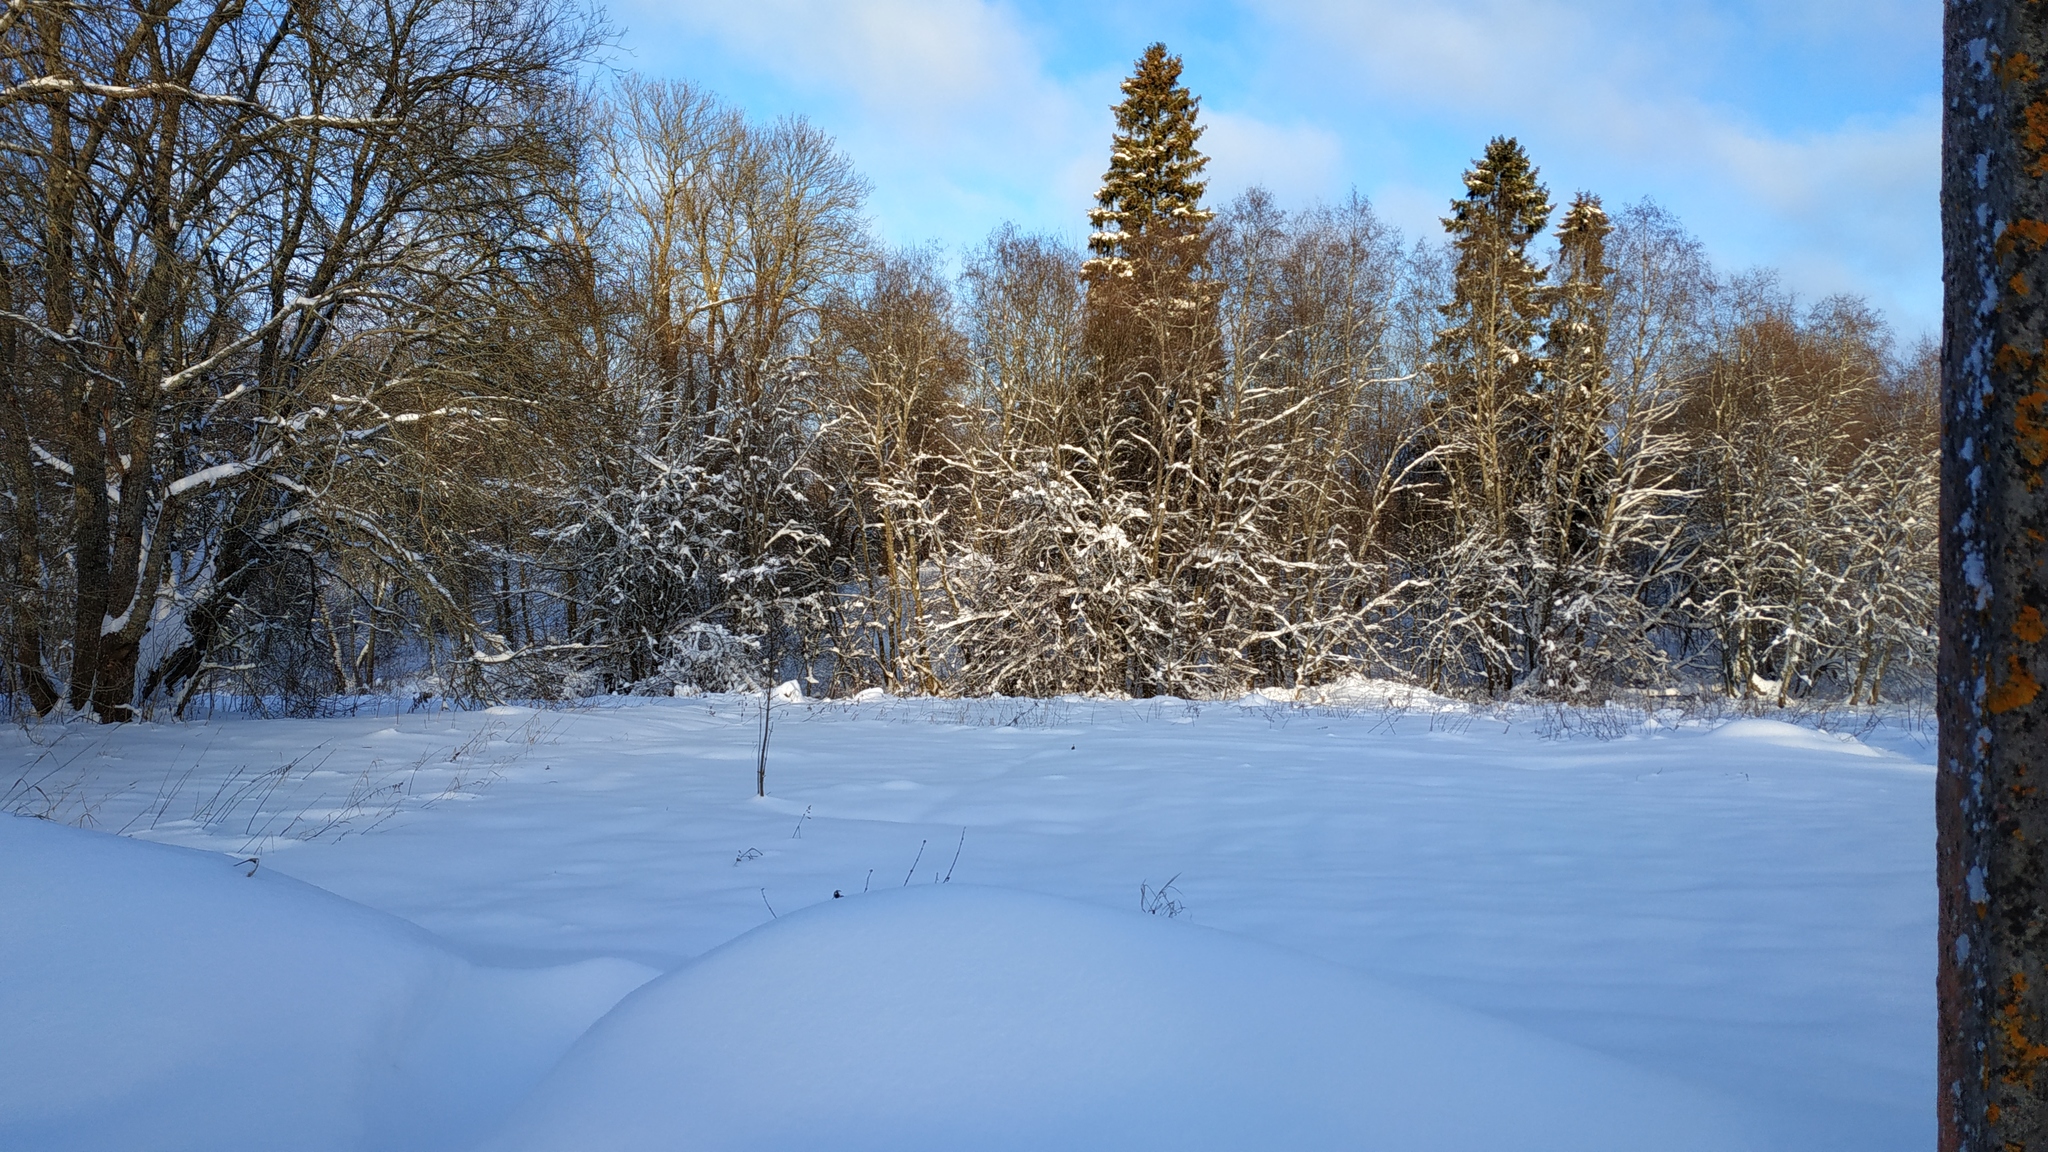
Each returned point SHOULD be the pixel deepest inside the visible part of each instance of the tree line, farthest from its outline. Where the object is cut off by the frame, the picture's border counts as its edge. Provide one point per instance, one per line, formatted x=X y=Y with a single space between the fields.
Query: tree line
x=366 y=346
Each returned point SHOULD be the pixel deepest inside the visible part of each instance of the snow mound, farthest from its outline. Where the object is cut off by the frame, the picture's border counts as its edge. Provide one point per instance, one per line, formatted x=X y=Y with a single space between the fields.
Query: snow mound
x=1369 y=692
x=954 y=1017
x=164 y=998
x=1354 y=692
x=1779 y=734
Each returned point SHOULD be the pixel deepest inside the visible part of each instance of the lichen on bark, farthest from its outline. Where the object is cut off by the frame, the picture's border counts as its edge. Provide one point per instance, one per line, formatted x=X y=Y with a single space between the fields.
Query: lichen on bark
x=1991 y=816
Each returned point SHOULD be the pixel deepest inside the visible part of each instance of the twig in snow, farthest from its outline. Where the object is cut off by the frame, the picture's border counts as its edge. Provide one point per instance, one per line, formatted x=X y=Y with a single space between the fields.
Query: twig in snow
x=770 y=907
x=1154 y=901
x=799 y=833
x=767 y=702
x=913 y=863
x=956 y=857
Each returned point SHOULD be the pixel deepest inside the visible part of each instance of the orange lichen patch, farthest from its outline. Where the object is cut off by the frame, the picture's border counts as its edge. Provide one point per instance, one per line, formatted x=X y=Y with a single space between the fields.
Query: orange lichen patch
x=2017 y=68
x=2028 y=626
x=2030 y=422
x=2010 y=360
x=2018 y=691
x=2018 y=284
x=2032 y=233
x=2016 y=1026
x=2035 y=136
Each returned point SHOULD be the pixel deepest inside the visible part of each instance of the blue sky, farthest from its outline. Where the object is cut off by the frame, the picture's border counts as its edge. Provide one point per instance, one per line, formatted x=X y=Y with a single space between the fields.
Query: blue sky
x=1798 y=134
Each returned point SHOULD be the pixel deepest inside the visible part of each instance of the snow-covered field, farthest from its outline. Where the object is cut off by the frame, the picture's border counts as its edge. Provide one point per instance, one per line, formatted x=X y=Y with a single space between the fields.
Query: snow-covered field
x=1396 y=923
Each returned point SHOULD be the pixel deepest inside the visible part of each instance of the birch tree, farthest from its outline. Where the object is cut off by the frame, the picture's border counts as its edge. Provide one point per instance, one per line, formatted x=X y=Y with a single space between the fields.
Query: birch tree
x=701 y=536
x=896 y=366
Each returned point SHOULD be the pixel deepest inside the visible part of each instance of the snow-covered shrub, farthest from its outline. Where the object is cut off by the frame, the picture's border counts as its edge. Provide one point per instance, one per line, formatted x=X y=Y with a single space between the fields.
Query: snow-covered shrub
x=705 y=658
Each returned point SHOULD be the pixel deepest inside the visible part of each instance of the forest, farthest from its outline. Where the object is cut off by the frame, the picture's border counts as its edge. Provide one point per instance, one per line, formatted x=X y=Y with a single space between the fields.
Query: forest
x=392 y=347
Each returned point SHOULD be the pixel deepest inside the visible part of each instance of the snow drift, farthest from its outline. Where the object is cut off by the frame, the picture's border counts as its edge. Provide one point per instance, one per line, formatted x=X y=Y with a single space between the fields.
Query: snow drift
x=163 y=998
x=953 y=1017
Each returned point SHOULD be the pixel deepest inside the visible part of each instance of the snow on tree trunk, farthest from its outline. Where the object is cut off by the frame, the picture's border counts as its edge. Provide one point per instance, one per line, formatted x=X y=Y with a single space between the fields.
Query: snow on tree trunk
x=1992 y=813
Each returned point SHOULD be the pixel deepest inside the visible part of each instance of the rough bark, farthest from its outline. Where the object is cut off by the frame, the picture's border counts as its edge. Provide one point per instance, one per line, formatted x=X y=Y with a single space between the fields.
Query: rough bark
x=1992 y=813
x=24 y=584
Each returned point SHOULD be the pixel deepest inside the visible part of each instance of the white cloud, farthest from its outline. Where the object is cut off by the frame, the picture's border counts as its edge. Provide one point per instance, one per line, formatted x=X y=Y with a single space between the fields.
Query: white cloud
x=916 y=62
x=945 y=104
x=1297 y=162
x=1854 y=210
x=1649 y=98
x=952 y=109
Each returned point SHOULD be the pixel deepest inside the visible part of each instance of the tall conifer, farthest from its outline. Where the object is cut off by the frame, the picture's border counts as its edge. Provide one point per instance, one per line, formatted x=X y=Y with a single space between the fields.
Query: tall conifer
x=1571 y=421
x=1484 y=365
x=1155 y=357
x=1575 y=344
x=1485 y=357
x=1567 y=432
x=1149 y=205
x=1151 y=316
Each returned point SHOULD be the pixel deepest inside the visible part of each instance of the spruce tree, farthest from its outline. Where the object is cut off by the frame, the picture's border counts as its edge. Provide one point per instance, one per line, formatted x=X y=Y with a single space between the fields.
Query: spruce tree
x=1575 y=387
x=1485 y=367
x=1567 y=428
x=1485 y=358
x=1151 y=315
x=1575 y=344
x=1149 y=205
x=1154 y=352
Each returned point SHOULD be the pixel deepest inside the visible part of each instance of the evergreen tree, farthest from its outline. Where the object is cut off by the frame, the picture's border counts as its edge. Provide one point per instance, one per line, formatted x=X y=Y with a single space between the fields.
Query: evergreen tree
x=1573 y=468
x=1575 y=344
x=1575 y=389
x=1485 y=360
x=1151 y=316
x=1149 y=205
x=1155 y=361
x=1485 y=368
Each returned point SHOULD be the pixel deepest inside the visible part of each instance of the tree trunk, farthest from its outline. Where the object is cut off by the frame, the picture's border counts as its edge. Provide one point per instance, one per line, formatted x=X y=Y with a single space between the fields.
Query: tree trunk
x=26 y=587
x=1992 y=814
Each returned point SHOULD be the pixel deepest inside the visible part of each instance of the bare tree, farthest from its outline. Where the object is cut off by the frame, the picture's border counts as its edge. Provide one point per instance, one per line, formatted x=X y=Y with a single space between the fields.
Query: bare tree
x=1315 y=412
x=895 y=366
x=1814 y=503
x=250 y=248
x=699 y=541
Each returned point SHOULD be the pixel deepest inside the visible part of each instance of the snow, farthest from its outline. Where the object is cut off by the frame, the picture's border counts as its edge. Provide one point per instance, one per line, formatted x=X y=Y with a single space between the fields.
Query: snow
x=158 y=997
x=1777 y=733
x=207 y=477
x=955 y=1017
x=1398 y=910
